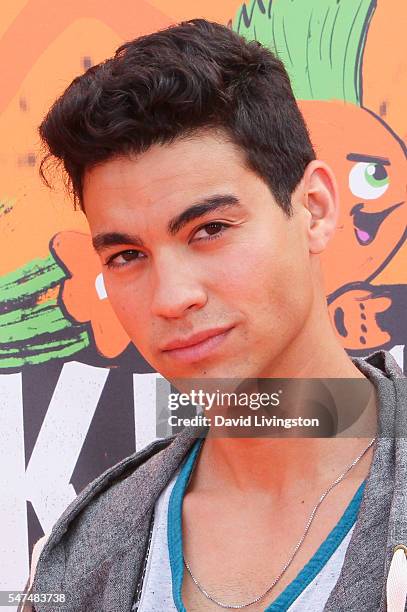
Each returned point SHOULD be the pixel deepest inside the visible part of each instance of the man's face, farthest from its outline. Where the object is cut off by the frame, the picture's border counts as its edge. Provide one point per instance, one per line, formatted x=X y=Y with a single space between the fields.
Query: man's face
x=237 y=264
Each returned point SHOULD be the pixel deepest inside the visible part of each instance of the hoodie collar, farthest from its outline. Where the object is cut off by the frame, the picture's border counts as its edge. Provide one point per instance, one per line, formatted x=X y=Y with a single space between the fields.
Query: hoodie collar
x=382 y=519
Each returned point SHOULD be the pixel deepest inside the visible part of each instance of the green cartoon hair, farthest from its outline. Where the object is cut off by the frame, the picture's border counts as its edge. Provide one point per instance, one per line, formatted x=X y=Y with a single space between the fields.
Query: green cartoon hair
x=321 y=42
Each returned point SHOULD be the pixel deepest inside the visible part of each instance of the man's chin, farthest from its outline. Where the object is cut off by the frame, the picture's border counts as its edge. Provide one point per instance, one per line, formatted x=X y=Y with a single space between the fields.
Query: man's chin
x=209 y=378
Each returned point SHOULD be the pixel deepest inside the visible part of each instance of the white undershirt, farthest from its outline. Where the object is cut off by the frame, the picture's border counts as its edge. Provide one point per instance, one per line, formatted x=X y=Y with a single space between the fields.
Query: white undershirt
x=157 y=596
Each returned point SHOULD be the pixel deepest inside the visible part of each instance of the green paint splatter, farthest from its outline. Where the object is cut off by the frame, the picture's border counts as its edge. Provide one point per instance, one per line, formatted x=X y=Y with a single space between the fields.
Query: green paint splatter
x=33 y=331
x=32 y=278
x=42 y=351
x=25 y=323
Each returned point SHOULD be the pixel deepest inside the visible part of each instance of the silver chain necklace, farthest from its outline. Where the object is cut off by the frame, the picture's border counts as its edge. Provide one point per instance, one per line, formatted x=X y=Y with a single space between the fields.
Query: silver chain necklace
x=298 y=545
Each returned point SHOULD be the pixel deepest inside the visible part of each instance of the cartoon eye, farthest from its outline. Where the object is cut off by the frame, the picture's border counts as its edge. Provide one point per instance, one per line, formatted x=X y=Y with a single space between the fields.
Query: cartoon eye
x=368 y=180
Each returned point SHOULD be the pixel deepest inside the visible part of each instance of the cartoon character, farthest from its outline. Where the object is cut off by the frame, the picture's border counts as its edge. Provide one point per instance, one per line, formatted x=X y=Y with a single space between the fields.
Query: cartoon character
x=369 y=164
x=323 y=51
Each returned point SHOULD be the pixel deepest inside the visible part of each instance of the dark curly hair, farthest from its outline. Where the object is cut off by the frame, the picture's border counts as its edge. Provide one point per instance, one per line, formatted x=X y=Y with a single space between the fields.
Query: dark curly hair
x=170 y=84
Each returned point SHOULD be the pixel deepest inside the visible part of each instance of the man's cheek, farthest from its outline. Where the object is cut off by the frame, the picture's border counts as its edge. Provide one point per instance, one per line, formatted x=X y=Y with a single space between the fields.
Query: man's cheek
x=244 y=268
x=133 y=317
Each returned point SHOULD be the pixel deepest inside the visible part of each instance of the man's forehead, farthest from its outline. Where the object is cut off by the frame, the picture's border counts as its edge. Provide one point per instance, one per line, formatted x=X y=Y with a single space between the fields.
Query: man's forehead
x=187 y=161
x=117 y=191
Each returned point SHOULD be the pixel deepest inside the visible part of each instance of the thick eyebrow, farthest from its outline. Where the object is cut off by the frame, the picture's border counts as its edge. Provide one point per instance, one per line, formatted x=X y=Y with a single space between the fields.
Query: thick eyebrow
x=215 y=202
x=368 y=158
x=195 y=211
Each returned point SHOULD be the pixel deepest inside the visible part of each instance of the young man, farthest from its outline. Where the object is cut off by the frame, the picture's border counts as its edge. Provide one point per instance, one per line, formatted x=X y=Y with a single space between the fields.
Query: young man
x=208 y=209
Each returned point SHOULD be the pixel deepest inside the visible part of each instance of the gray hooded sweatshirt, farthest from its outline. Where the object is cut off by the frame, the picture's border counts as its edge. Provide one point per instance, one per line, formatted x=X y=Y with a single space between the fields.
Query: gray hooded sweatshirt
x=96 y=550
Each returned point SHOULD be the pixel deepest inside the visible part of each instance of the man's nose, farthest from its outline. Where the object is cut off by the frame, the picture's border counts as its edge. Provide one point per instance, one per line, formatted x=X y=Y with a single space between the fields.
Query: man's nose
x=176 y=288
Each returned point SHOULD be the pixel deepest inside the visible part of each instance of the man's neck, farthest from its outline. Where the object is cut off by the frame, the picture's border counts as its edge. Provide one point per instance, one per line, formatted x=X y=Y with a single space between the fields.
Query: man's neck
x=271 y=464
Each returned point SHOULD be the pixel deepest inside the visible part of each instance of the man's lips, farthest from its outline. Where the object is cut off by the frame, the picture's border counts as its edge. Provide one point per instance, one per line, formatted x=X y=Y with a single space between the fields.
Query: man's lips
x=200 y=350
x=194 y=339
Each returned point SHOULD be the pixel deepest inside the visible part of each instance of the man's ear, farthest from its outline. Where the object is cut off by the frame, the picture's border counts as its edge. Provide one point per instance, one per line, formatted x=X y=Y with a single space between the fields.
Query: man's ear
x=320 y=197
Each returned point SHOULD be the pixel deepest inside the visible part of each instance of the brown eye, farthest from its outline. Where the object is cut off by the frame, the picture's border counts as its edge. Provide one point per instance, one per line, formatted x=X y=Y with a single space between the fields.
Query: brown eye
x=113 y=263
x=213 y=230
x=131 y=253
